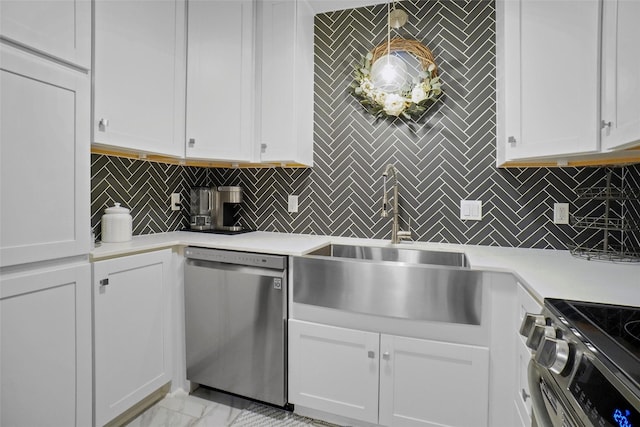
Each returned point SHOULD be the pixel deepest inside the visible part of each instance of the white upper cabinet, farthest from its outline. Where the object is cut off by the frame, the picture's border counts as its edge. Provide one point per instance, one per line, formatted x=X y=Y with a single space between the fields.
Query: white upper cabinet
x=61 y=28
x=220 y=80
x=285 y=81
x=620 y=74
x=139 y=75
x=552 y=77
x=44 y=159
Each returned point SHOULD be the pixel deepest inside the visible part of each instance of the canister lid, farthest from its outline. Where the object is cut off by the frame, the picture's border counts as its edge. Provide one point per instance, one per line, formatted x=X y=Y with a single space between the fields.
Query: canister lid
x=117 y=209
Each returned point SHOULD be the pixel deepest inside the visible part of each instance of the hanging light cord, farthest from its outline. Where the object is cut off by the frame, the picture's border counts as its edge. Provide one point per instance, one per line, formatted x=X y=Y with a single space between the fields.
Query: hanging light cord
x=389 y=30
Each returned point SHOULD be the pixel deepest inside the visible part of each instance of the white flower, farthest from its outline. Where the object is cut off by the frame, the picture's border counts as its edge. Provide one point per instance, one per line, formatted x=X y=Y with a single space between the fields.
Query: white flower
x=366 y=86
x=418 y=94
x=394 y=104
x=379 y=96
x=431 y=68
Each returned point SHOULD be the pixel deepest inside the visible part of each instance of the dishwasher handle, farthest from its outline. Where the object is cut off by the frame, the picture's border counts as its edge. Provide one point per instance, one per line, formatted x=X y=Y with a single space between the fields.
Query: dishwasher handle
x=233 y=268
x=276 y=262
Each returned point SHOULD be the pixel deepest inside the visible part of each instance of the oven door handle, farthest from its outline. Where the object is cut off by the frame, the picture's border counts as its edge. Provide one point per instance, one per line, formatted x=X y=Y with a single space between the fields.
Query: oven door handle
x=538 y=407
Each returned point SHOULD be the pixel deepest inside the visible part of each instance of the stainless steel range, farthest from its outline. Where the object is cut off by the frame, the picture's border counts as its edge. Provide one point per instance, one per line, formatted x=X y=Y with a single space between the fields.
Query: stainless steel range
x=586 y=367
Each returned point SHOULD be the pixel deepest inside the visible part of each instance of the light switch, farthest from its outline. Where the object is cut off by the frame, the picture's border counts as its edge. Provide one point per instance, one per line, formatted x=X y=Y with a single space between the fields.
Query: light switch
x=175 y=201
x=471 y=210
x=293 y=203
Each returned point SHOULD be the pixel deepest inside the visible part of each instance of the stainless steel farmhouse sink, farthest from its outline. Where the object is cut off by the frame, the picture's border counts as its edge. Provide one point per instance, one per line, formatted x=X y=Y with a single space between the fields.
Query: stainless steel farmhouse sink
x=414 y=256
x=400 y=283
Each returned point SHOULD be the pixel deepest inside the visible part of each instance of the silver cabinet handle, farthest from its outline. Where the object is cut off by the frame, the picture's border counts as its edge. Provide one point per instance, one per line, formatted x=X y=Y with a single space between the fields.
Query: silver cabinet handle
x=192 y=142
x=511 y=140
x=604 y=124
x=104 y=282
x=525 y=395
x=263 y=148
x=371 y=354
x=386 y=355
x=103 y=123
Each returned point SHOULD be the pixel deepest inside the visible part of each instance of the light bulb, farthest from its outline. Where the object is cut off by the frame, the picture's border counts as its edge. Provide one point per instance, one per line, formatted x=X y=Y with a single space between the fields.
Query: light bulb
x=389 y=73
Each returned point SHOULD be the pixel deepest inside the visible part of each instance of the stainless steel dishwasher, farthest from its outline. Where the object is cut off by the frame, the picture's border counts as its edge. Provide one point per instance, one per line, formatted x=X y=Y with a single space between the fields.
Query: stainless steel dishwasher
x=236 y=322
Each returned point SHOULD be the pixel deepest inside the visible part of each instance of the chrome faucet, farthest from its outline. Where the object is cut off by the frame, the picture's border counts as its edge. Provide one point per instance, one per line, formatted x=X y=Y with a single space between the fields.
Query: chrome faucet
x=397 y=235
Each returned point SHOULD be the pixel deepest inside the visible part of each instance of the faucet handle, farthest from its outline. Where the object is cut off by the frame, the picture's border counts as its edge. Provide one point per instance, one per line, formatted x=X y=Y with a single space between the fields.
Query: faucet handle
x=404 y=235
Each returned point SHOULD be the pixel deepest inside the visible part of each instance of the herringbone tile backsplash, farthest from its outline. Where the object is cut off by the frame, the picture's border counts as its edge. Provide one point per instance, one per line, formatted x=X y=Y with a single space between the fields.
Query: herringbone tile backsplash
x=447 y=157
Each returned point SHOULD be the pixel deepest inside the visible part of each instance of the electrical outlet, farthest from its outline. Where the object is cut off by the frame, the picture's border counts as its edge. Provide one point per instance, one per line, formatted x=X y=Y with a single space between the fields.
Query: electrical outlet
x=293 y=203
x=561 y=213
x=175 y=201
x=471 y=210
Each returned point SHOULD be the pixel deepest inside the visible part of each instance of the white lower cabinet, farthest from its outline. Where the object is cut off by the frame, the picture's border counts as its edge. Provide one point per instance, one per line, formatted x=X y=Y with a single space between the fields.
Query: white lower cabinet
x=522 y=395
x=45 y=347
x=334 y=370
x=431 y=383
x=387 y=379
x=132 y=336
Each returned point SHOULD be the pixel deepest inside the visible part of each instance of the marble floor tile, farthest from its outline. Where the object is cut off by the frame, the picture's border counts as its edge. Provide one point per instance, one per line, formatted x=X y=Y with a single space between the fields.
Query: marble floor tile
x=218 y=416
x=210 y=408
x=188 y=405
x=159 y=416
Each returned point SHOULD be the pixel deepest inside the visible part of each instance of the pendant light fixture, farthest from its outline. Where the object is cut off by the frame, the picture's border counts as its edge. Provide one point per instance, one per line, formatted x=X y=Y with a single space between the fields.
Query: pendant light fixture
x=389 y=72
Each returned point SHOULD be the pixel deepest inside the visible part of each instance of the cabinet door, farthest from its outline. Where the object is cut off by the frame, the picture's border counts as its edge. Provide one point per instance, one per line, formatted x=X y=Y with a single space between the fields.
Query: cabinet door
x=526 y=304
x=139 y=75
x=44 y=156
x=220 y=80
x=621 y=68
x=429 y=383
x=45 y=356
x=60 y=28
x=552 y=78
x=132 y=349
x=286 y=81
x=334 y=370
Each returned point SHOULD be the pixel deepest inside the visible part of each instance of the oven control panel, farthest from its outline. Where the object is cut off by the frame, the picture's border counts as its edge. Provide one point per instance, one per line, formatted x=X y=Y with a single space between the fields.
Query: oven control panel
x=601 y=402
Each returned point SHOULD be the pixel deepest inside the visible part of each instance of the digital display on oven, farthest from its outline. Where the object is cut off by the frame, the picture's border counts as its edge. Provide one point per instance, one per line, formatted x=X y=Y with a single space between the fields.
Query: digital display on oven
x=600 y=401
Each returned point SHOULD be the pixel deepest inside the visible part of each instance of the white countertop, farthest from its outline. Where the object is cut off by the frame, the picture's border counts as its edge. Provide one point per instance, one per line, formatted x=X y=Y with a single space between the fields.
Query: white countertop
x=546 y=273
x=256 y=241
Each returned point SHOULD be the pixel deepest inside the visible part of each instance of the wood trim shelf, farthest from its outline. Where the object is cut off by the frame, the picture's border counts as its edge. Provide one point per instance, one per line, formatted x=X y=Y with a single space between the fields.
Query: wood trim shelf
x=189 y=162
x=622 y=158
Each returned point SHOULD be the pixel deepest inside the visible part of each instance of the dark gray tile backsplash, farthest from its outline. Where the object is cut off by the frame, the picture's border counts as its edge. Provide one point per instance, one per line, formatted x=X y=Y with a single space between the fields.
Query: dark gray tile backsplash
x=448 y=156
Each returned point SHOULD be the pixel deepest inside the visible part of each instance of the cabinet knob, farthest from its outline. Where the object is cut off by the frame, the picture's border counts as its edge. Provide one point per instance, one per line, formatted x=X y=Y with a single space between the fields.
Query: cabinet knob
x=386 y=355
x=604 y=124
x=192 y=142
x=103 y=123
x=263 y=148
x=525 y=395
x=511 y=140
x=104 y=282
x=371 y=354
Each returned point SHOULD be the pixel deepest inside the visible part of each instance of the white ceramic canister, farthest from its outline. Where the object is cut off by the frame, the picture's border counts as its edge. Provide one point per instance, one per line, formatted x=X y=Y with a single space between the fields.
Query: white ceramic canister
x=117 y=224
